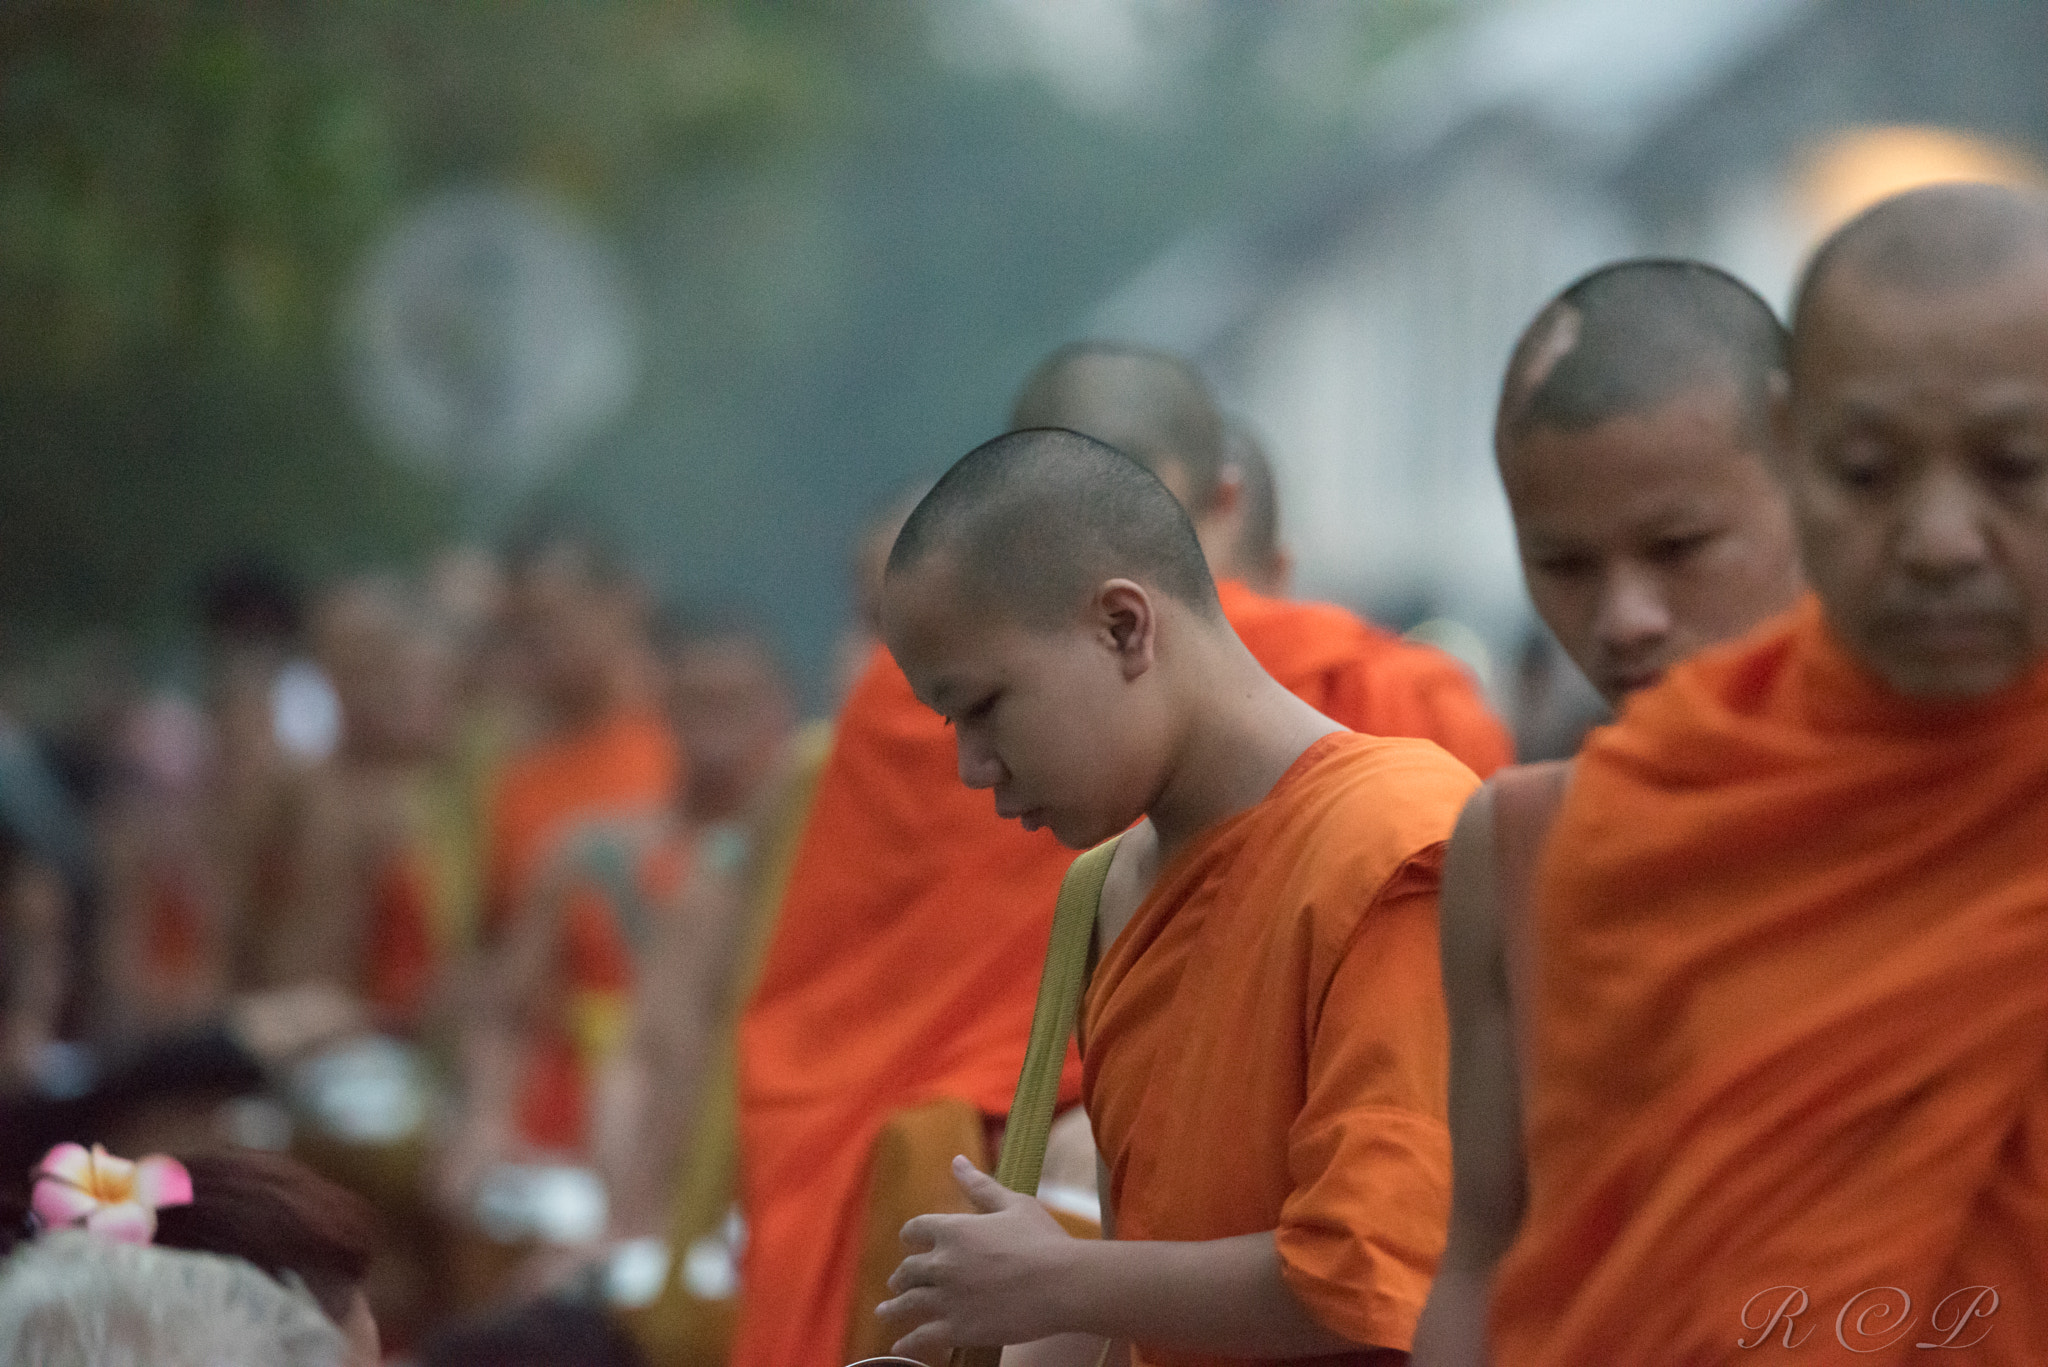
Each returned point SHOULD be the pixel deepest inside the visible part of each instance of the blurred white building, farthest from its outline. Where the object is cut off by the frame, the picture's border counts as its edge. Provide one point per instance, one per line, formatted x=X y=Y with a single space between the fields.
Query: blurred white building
x=1362 y=326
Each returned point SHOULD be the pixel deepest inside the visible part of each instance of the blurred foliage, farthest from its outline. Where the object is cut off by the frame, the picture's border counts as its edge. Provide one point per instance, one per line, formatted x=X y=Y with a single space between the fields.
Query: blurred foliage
x=184 y=190
x=847 y=232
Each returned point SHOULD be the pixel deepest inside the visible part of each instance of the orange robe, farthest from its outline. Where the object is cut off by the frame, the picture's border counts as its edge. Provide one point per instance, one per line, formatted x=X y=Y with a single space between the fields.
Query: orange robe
x=906 y=958
x=1266 y=1045
x=1790 y=1045
x=903 y=968
x=625 y=765
x=1366 y=678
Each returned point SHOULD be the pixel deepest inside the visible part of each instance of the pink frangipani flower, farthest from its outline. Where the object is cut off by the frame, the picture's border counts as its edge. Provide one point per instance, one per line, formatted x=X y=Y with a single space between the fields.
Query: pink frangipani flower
x=107 y=1195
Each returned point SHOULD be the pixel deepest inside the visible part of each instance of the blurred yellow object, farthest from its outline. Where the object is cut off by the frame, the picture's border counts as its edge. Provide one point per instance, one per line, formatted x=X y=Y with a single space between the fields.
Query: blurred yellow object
x=1855 y=169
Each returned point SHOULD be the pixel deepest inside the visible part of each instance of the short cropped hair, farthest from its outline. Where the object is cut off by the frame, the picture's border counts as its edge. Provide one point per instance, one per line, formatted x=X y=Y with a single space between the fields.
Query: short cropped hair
x=1938 y=237
x=1630 y=336
x=1036 y=519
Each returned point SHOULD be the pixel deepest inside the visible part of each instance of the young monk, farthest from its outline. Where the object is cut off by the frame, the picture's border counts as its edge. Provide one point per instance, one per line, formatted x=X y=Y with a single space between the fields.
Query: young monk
x=1153 y=407
x=1263 y=1037
x=587 y=807
x=1632 y=439
x=1790 y=1002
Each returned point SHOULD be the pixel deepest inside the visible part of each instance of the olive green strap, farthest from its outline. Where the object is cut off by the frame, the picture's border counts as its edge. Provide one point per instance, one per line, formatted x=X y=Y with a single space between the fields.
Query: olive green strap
x=1052 y=1025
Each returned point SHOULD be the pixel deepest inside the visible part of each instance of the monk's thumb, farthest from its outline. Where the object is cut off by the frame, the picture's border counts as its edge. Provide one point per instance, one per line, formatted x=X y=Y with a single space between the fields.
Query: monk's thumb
x=985 y=1193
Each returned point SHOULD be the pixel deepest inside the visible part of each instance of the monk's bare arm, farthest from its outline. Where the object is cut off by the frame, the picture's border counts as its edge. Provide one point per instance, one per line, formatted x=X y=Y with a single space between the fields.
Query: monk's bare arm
x=1488 y=1176
x=649 y=1093
x=1027 y=1279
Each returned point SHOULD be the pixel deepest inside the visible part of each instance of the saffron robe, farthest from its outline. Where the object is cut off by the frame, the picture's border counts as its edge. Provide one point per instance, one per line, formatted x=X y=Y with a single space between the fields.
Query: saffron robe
x=1790 y=1025
x=1265 y=1042
x=623 y=766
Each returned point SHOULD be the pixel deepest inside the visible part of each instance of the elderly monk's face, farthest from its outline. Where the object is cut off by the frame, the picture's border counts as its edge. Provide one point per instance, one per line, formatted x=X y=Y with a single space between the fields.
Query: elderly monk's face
x=1059 y=722
x=1651 y=535
x=1917 y=442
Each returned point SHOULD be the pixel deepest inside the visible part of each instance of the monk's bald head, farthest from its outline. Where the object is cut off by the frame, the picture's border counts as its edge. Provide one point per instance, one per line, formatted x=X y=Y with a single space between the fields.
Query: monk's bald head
x=1030 y=524
x=1629 y=337
x=1915 y=436
x=1151 y=405
x=1934 y=240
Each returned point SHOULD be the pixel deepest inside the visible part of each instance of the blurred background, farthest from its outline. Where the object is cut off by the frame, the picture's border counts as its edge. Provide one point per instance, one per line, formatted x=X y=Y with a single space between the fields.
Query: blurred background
x=386 y=388
x=338 y=285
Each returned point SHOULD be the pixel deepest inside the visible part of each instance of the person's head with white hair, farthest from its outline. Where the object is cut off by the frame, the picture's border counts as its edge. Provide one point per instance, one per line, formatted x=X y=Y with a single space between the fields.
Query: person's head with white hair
x=72 y=1299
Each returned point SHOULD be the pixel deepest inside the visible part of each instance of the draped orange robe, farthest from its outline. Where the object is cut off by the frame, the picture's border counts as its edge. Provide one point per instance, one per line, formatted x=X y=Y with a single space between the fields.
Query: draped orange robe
x=1265 y=1042
x=1790 y=1049
x=1368 y=679
x=903 y=968
x=625 y=765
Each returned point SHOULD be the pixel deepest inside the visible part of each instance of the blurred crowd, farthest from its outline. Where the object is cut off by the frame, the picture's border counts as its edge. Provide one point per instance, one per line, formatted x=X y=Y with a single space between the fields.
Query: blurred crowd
x=383 y=893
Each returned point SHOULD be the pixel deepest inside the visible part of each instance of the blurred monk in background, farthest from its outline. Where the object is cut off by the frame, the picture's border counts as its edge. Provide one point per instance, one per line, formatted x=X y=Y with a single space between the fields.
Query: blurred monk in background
x=1789 y=1006
x=381 y=867
x=586 y=811
x=1633 y=439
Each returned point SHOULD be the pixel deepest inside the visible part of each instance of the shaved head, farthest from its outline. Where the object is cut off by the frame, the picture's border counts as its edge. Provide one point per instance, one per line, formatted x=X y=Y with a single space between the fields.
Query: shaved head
x=1631 y=336
x=1939 y=238
x=1033 y=522
x=1151 y=405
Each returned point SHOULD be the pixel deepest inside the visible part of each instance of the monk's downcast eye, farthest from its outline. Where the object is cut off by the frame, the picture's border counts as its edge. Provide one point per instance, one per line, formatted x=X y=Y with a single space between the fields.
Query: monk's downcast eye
x=1669 y=550
x=1566 y=565
x=1862 y=462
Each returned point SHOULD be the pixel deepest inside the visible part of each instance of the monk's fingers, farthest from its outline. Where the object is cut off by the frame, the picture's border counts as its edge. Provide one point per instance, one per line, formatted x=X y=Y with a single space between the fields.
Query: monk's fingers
x=916 y=1305
x=929 y=1342
x=985 y=1193
x=921 y=1233
x=916 y=1270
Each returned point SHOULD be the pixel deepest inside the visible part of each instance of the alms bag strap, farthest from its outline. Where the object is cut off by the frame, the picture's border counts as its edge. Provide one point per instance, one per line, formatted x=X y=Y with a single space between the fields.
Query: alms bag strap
x=1067 y=961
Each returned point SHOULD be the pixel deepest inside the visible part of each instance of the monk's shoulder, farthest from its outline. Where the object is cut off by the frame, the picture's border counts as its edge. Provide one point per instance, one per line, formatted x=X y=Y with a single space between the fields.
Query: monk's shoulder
x=1377 y=801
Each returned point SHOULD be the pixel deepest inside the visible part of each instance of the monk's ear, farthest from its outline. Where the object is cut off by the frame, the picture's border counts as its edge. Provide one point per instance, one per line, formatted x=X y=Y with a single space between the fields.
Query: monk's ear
x=1228 y=496
x=1127 y=622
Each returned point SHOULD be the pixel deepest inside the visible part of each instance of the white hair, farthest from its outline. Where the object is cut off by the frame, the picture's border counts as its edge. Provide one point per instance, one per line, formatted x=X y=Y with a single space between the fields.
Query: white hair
x=70 y=1299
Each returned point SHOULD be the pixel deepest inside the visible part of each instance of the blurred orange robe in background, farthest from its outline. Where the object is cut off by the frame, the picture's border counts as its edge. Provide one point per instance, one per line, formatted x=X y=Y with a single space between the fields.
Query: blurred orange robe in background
x=903 y=968
x=1266 y=1044
x=625 y=765
x=1368 y=679
x=1790 y=1025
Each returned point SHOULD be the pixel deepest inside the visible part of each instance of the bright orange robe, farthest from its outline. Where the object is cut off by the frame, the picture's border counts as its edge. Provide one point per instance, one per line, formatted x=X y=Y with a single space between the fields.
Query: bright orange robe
x=903 y=968
x=626 y=765
x=1791 y=1025
x=1366 y=678
x=1266 y=1044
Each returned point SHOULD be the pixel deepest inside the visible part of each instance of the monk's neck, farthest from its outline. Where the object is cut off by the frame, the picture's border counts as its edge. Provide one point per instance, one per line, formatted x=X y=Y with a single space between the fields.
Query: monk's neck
x=1244 y=732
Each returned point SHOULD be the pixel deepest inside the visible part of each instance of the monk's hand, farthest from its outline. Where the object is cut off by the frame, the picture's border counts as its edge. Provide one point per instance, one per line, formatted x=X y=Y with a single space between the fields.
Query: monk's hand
x=978 y=1280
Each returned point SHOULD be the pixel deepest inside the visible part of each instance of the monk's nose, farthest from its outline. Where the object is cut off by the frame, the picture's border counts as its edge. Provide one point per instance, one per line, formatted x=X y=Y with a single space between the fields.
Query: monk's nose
x=1632 y=615
x=979 y=765
x=1941 y=536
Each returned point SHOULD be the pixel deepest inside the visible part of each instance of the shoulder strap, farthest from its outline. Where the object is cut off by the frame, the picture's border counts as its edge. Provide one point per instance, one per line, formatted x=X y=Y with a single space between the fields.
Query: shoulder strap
x=1525 y=802
x=1052 y=1025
